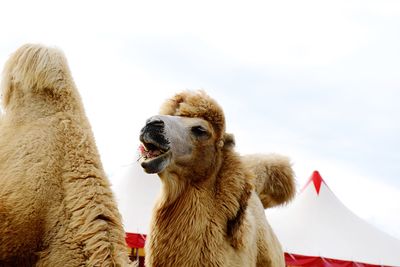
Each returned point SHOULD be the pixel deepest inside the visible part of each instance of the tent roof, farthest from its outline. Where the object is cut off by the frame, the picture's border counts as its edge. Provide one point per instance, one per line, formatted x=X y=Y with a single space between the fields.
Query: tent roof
x=316 y=223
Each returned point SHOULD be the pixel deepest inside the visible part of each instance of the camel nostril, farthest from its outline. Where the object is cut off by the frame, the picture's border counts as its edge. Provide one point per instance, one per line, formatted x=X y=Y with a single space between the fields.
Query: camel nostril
x=155 y=123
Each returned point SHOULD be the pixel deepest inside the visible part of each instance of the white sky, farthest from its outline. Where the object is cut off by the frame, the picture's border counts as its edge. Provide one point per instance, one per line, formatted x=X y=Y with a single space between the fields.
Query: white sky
x=315 y=80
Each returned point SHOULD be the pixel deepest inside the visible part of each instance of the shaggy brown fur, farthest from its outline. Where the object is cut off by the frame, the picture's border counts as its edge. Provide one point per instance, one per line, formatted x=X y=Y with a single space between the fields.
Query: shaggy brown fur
x=56 y=206
x=274 y=181
x=208 y=213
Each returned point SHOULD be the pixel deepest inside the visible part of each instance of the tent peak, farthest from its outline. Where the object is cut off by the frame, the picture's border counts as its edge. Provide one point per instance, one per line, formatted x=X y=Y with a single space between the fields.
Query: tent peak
x=317 y=180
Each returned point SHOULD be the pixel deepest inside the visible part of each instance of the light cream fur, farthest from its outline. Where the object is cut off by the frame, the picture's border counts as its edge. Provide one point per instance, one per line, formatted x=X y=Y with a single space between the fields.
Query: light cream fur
x=208 y=213
x=56 y=206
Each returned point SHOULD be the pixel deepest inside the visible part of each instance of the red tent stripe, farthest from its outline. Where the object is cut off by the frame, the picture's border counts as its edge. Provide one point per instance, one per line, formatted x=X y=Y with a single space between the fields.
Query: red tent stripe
x=135 y=240
x=317 y=181
x=294 y=260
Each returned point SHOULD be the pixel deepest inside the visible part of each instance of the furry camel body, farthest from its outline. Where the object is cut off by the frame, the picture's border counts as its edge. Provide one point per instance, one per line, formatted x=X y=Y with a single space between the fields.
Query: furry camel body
x=208 y=213
x=56 y=206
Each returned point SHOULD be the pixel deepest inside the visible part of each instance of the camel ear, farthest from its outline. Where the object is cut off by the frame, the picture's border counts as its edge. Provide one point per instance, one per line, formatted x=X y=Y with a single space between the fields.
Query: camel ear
x=229 y=141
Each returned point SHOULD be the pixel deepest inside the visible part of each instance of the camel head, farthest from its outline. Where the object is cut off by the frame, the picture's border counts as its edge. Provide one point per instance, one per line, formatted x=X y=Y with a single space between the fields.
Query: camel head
x=187 y=139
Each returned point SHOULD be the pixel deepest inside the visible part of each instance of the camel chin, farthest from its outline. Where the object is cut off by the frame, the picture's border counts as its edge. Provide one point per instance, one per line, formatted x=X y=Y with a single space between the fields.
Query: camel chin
x=156 y=164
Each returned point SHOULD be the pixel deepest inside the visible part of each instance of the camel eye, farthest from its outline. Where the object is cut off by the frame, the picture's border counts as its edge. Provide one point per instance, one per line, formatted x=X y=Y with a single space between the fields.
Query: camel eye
x=199 y=131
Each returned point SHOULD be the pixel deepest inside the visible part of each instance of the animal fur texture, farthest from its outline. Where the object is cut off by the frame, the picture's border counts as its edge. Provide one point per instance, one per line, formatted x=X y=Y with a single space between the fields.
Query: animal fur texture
x=273 y=181
x=209 y=213
x=56 y=206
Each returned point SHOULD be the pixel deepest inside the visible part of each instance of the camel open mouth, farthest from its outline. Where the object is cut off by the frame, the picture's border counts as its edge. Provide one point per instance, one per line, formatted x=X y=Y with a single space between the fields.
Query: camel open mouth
x=151 y=150
x=154 y=157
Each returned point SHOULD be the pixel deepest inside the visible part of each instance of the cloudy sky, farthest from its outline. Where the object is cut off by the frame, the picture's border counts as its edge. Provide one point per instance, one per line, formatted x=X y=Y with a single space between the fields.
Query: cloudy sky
x=318 y=81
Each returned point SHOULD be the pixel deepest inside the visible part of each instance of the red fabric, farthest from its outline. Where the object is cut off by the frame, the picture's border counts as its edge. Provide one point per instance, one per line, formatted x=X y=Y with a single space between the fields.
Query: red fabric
x=135 y=240
x=294 y=260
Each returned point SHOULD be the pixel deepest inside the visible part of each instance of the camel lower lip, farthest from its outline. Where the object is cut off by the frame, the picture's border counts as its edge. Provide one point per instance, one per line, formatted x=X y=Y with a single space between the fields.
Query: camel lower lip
x=156 y=164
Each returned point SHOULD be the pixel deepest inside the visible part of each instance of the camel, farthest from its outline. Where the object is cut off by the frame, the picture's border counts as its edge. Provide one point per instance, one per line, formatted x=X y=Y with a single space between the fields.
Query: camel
x=209 y=211
x=56 y=205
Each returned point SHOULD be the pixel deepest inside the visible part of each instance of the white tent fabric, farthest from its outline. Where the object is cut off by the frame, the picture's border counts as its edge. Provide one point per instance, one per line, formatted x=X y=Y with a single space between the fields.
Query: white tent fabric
x=135 y=192
x=318 y=224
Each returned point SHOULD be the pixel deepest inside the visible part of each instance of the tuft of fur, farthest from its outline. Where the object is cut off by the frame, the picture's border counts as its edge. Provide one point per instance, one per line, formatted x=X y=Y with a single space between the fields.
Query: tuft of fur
x=56 y=205
x=274 y=182
x=208 y=213
x=196 y=104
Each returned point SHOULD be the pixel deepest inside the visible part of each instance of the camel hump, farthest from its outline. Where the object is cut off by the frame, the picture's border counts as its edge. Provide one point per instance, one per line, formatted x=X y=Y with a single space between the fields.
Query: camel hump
x=274 y=178
x=37 y=69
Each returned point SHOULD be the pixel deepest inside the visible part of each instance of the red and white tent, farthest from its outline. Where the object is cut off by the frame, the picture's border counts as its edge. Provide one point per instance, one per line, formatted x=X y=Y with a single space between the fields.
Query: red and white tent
x=316 y=229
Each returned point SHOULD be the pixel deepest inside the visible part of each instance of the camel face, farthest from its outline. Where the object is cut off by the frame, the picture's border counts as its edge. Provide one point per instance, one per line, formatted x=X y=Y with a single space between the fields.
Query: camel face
x=172 y=141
